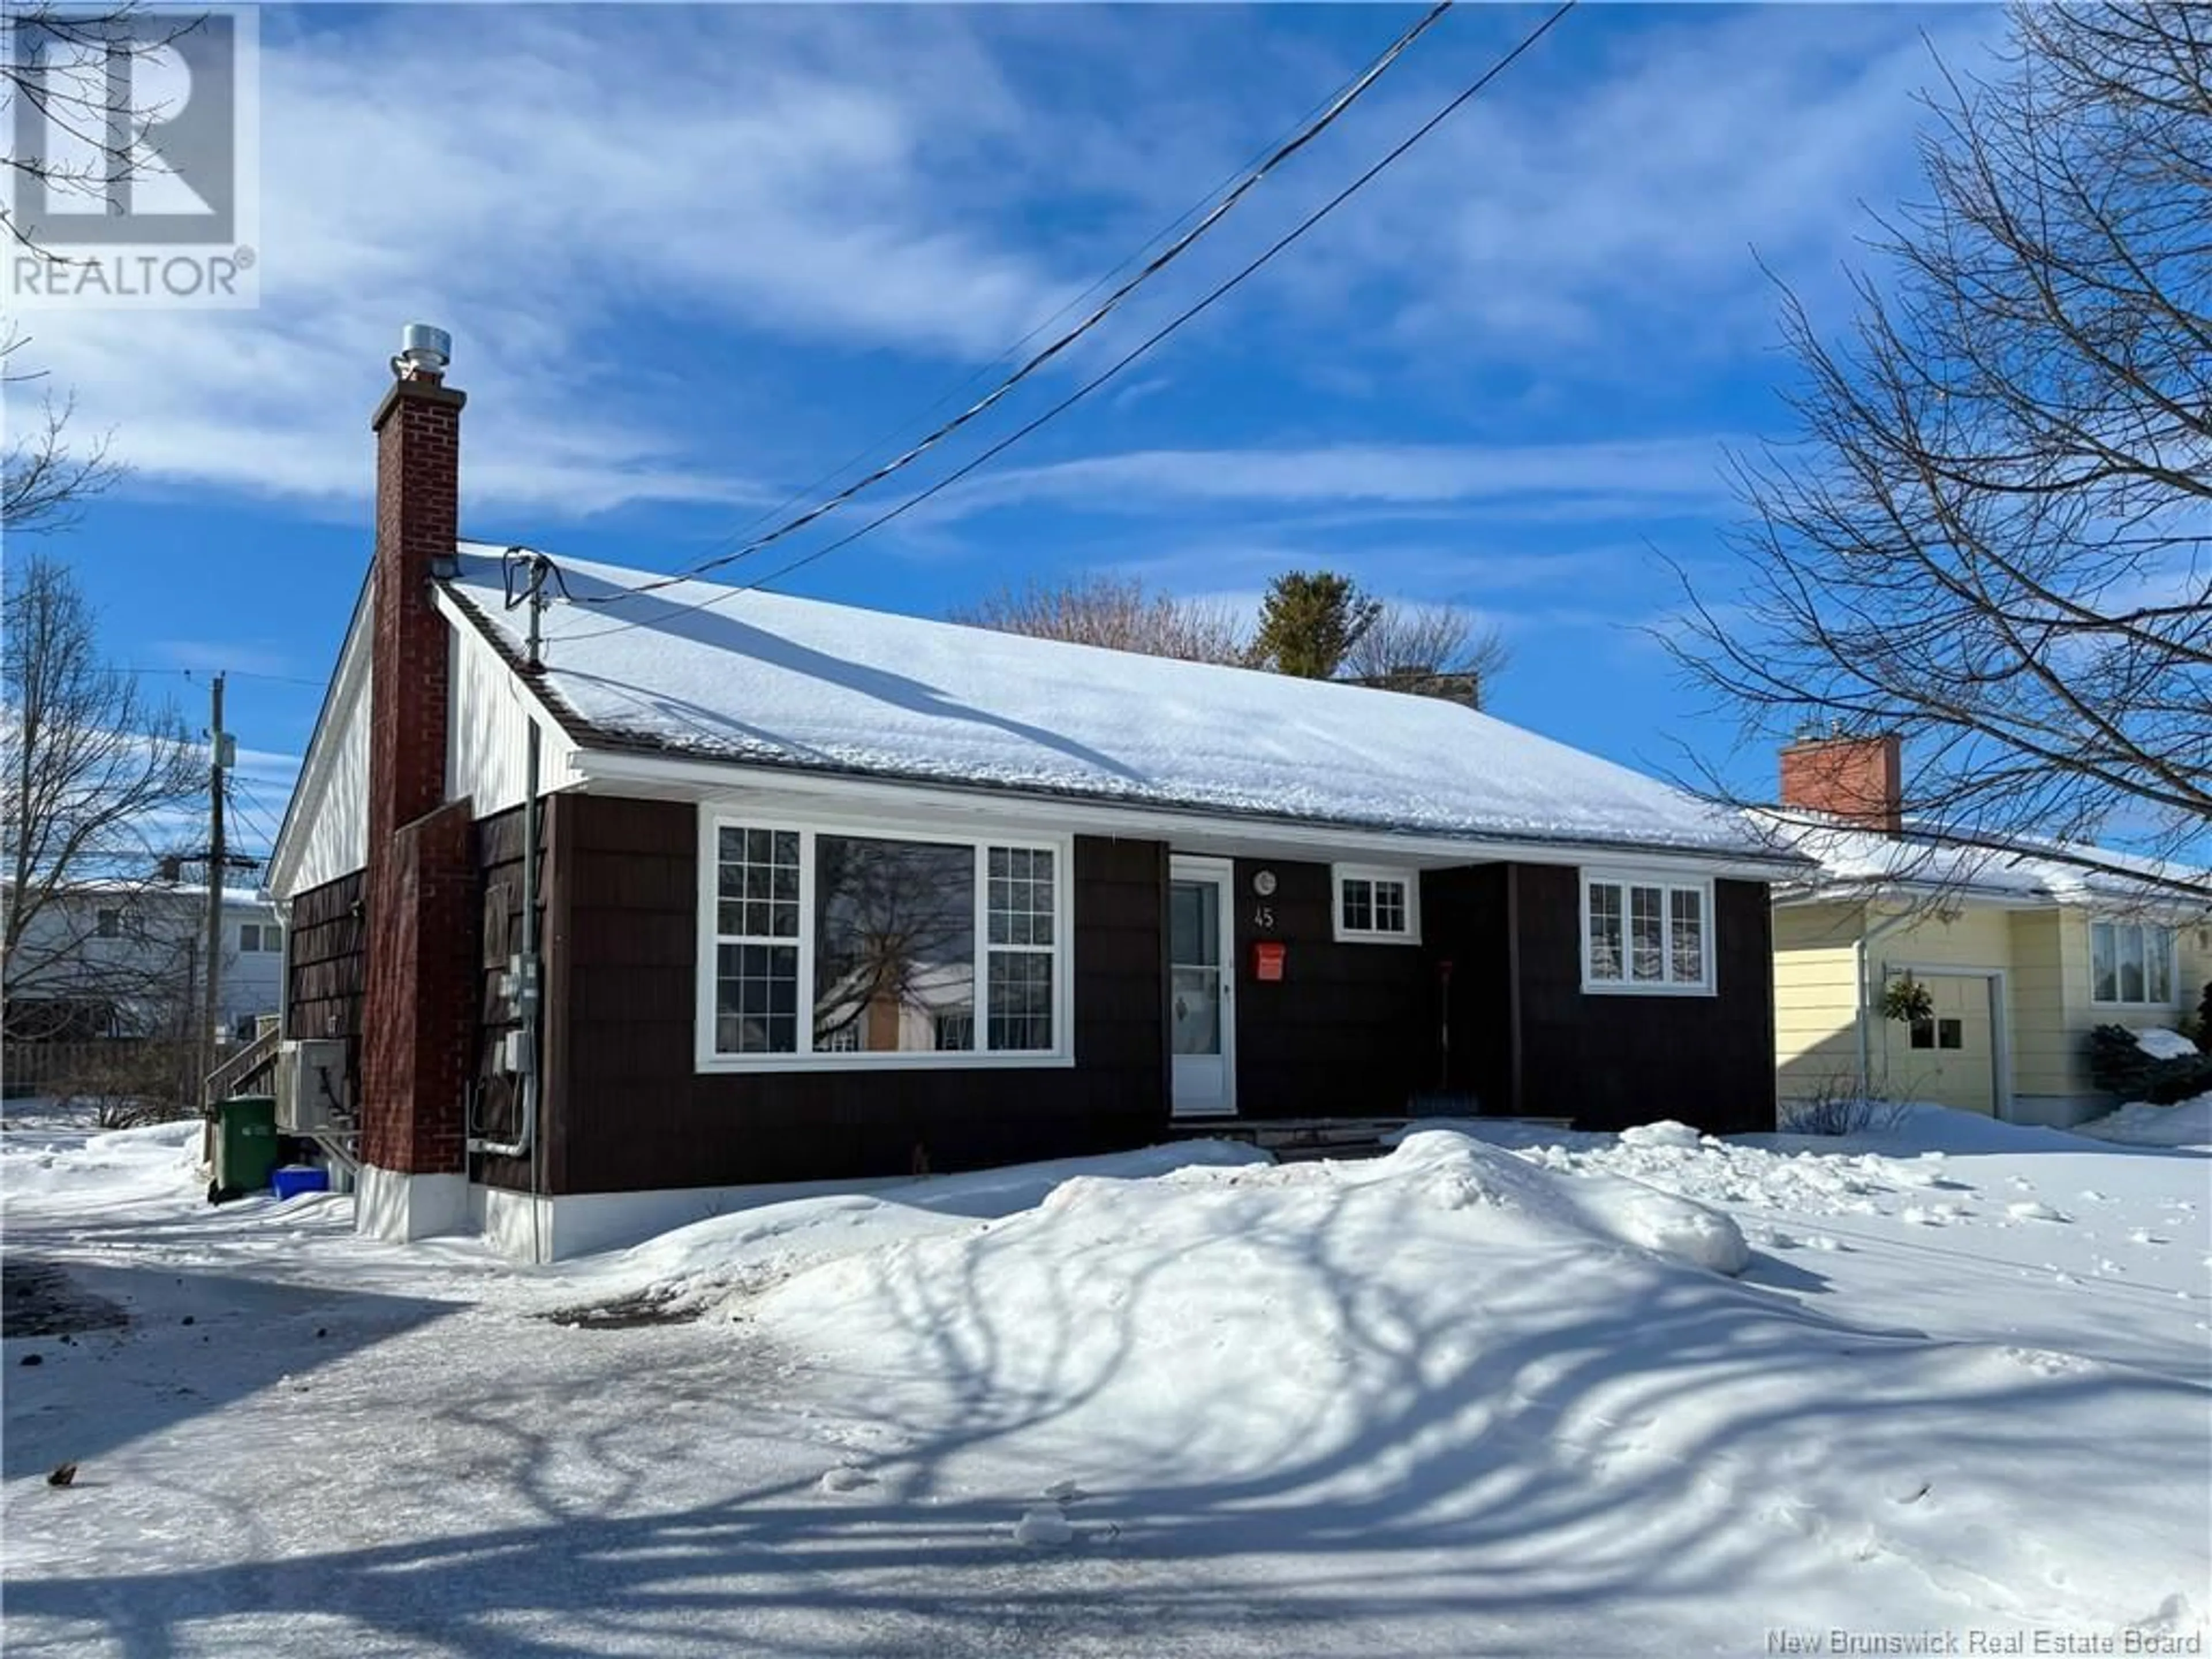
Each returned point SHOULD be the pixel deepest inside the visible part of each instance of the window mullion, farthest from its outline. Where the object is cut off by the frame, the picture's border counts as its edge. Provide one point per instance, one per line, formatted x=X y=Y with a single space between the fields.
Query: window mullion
x=803 y=992
x=978 y=1033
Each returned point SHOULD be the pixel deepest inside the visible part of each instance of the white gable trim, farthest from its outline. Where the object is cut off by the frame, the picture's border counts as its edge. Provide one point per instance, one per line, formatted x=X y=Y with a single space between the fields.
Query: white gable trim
x=325 y=834
x=491 y=708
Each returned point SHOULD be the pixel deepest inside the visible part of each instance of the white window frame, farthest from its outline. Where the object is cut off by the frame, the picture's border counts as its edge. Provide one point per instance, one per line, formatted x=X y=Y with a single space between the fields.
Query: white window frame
x=2172 y=997
x=1409 y=879
x=1669 y=885
x=714 y=819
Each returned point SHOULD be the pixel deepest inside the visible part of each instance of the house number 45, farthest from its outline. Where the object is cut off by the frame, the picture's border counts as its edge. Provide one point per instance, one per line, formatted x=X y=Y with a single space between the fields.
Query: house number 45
x=1263 y=915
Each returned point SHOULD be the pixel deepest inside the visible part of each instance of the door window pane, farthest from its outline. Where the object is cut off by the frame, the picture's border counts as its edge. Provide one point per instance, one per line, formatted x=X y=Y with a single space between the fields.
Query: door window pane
x=1195 y=923
x=894 y=941
x=1923 y=1034
x=1950 y=1034
x=1194 y=1010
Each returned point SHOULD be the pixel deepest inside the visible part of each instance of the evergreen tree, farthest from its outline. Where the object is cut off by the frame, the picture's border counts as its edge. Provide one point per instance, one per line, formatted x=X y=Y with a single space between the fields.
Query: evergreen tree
x=1309 y=623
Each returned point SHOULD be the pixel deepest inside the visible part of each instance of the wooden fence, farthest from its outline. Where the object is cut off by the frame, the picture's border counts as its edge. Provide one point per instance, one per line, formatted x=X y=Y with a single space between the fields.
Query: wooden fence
x=114 y=1066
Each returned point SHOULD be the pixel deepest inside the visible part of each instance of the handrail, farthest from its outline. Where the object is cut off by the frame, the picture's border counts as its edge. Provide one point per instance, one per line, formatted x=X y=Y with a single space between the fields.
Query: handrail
x=250 y=1061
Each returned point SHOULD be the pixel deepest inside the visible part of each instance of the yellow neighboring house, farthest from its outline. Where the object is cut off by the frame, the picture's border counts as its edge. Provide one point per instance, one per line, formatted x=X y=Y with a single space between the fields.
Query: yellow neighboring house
x=2020 y=955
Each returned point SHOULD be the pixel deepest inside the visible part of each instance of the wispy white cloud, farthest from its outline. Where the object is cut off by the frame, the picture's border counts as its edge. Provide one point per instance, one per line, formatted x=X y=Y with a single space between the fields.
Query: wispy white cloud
x=737 y=172
x=1624 y=476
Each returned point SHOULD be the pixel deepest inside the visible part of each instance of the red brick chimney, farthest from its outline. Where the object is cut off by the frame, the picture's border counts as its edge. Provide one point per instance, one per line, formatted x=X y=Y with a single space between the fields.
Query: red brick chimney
x=419 y=1000
x=1859 y=780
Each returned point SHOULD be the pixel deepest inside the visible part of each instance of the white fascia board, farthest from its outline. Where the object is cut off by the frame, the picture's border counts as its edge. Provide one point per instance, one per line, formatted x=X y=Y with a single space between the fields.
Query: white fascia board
x=349 y=680
x=675 y=777
x=1790 y=895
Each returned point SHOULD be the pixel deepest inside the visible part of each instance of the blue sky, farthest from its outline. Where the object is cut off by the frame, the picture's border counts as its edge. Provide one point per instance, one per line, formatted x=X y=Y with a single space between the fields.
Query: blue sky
x=694 y=259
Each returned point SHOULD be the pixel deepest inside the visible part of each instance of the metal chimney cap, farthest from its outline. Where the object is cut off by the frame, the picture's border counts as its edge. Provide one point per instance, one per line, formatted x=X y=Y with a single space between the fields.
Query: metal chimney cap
x=424 y=347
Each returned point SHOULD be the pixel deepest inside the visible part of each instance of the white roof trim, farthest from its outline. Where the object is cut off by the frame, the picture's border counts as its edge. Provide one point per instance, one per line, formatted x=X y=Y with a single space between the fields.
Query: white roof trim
x=622 y=772
x=349 y=680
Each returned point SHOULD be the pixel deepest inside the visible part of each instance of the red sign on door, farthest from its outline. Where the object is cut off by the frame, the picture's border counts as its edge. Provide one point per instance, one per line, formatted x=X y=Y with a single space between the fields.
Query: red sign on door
x=1266 y=959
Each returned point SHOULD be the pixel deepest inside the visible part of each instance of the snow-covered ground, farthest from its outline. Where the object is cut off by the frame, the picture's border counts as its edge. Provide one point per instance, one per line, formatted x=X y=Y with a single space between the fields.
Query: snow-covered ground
x=1497 y=1392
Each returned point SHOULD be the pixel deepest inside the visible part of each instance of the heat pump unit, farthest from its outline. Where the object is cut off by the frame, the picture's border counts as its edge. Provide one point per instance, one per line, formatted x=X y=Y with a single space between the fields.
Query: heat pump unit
x=311 y=1096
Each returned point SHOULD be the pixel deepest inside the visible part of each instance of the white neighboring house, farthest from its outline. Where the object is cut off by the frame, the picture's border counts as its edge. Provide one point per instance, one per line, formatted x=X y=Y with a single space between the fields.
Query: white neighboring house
x=114 y=958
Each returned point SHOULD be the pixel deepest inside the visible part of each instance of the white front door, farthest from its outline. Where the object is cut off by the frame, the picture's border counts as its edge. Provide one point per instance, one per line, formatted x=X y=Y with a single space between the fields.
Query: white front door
x=1950 y=1058
x=1201 y=986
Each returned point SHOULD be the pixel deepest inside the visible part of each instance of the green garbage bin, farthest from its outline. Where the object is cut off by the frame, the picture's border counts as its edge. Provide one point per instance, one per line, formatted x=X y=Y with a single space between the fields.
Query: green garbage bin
x=244 y=1146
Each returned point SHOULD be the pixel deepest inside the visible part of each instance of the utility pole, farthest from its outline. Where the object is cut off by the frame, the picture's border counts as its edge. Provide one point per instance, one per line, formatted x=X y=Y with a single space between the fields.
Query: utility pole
x=211 y=1009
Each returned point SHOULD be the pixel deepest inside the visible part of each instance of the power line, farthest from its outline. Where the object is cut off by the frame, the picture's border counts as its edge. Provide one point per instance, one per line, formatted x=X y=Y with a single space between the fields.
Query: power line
x=1167 y=256
x=253 y=813
x=1010 y=352
x=1472 y=90
x=231 y=673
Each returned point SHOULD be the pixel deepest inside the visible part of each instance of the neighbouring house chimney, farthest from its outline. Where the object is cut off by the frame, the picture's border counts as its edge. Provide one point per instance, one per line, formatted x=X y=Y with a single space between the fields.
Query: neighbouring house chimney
x=1859 y=780
x=419 y=998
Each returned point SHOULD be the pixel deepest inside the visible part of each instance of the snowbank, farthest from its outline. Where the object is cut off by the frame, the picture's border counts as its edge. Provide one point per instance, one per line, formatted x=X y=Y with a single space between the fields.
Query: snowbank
x=745 y=1250
x=1461 y=1320
x=1489 y=1391
x=2184 y=1123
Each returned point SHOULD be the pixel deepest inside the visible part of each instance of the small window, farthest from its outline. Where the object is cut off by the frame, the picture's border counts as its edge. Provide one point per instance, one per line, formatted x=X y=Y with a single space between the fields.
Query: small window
x=1950 y=1034
x=108 y=924
x=1644 y=935
x=2131 y=963
x=249 y=939
x=1923 y=1034
x=1378 y=905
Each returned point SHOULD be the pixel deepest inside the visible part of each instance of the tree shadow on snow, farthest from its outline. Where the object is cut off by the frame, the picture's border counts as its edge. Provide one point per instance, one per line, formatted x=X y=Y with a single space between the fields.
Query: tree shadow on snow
x=179 y=1345
x=1554 y=1451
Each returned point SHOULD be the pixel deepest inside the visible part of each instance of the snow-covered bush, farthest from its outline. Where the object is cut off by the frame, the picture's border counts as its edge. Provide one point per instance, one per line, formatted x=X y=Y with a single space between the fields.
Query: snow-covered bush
x=2120 y=1065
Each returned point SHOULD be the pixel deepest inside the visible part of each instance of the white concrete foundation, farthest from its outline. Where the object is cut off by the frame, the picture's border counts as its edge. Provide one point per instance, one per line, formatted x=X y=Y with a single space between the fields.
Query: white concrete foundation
x=2057 y=1111
x=401 y=1208
x=527 y=1229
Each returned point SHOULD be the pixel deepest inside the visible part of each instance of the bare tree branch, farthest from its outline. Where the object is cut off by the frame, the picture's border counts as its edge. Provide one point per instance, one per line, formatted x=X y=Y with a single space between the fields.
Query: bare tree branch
x=75 y=66
x=1432 y=648
x=1117 y=613
x=1988 y=533
x=88 y=767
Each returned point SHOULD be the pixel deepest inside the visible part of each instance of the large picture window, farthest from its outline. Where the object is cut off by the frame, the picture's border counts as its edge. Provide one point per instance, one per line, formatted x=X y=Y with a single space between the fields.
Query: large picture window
x=940 y=950
x=1642 y=934
x=2131 y=963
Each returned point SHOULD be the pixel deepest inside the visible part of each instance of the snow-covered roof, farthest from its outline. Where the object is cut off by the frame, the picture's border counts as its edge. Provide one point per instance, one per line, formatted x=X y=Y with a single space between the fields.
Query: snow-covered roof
x=1920 y=861
x=767 y=679
x=117 y=886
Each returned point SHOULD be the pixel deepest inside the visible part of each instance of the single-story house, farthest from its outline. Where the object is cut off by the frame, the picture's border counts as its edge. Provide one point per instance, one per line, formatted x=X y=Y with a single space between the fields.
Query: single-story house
x=826 y=894
x=2021 y=952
